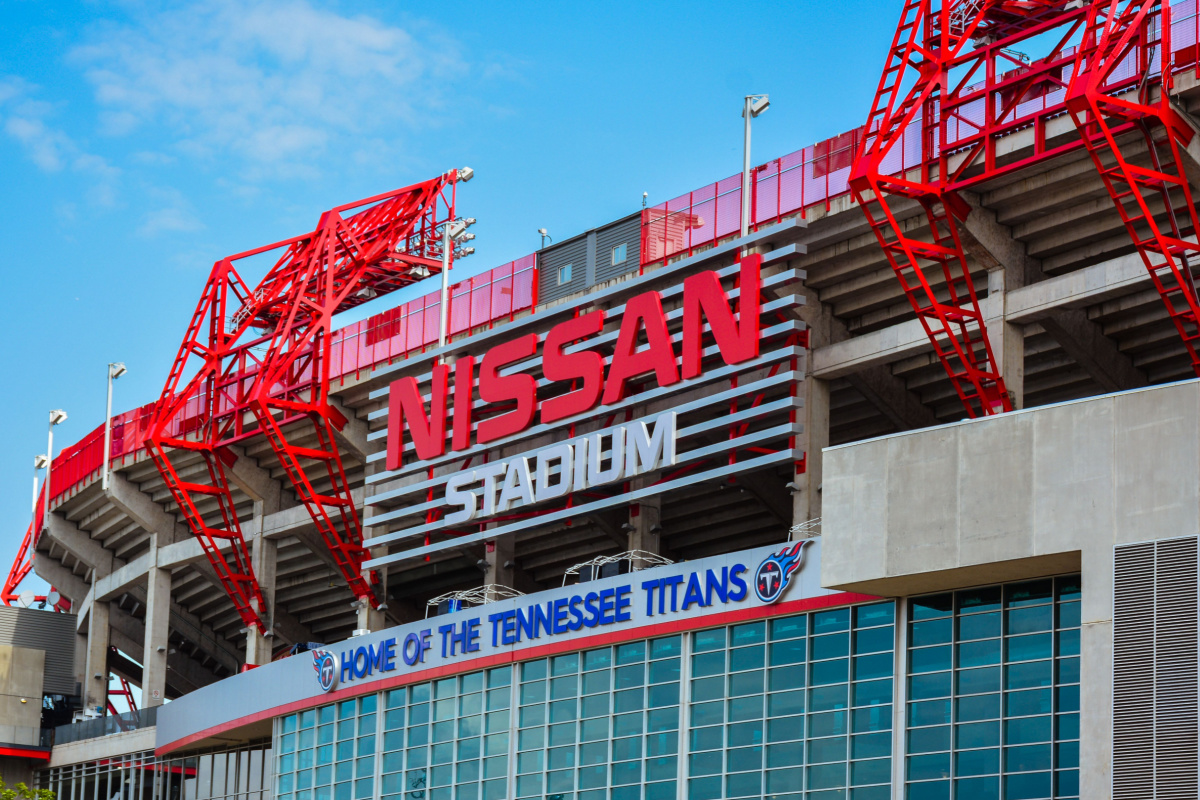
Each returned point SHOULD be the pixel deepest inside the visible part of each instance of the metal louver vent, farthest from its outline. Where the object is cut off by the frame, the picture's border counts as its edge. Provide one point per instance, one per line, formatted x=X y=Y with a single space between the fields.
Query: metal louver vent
x=1155 y=670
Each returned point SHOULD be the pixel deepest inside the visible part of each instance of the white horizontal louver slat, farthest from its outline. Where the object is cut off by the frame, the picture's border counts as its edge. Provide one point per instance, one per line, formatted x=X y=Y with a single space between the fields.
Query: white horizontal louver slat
x=1156 y=675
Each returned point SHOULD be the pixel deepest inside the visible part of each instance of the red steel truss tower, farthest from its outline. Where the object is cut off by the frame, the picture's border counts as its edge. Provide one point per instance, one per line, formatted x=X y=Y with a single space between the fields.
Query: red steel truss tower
x=954 y=83
x=261 y=357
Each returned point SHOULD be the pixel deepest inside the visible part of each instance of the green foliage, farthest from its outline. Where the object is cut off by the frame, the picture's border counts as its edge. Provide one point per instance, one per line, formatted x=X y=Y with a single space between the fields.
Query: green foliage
x=22 y=792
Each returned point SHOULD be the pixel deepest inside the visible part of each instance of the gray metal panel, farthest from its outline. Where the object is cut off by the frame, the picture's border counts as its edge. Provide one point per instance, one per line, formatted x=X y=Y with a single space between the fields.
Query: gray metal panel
x=627 y=231
x=552 y=259
x=591 y=258
x=47 y=631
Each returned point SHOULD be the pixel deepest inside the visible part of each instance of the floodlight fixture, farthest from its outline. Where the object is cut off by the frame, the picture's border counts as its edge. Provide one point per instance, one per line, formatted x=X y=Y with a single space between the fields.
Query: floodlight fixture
x=40 y=462
x=58 y=416
x=116 y=370
x=465 y=174
x=758 y=104
x=545 y=235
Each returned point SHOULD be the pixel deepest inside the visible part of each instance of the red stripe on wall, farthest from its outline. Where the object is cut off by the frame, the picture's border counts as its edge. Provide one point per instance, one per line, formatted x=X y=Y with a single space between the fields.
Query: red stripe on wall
x=21 y=752
x=528 y=654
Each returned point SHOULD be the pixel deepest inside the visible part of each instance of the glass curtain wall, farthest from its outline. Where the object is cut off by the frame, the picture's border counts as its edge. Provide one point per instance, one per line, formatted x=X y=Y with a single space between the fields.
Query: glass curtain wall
x=993 y=693
x=761 y=709
x=244 y=774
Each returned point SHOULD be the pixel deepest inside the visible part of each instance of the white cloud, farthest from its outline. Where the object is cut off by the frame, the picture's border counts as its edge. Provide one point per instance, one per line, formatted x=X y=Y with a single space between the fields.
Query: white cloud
x=279 y=83
x=173 y=215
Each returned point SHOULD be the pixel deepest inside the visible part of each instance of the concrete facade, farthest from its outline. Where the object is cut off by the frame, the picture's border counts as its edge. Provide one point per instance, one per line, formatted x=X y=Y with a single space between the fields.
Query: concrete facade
x=20 y=694
x=1034 y=493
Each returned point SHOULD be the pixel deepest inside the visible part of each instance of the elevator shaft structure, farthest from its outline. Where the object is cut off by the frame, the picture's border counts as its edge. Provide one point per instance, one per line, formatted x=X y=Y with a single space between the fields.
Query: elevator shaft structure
x=256 y=362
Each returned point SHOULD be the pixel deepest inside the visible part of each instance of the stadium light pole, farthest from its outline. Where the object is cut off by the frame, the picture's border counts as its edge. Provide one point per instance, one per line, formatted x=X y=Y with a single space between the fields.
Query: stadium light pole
x=752 y=106
x=39 y=462
x=57 y=417
x=451 y=231
x=115 y=370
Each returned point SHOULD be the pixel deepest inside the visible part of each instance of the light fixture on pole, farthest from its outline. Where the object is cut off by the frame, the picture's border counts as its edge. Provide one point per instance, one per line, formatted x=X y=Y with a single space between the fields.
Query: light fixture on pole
x=753 y=105
x=115 y=370
x=57 y=417
x=39 y=462
x=545 y=235
x=452 y=232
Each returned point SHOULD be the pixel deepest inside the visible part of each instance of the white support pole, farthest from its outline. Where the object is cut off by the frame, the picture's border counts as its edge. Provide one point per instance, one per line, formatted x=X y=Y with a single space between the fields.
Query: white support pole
x=444 y=305
x=746 y=117
x=49 y=466
x=107 y=434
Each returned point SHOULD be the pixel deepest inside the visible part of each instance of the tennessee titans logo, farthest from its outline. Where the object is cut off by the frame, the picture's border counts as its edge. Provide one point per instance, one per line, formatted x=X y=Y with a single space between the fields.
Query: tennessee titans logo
x=326 y=668
x=775 y=572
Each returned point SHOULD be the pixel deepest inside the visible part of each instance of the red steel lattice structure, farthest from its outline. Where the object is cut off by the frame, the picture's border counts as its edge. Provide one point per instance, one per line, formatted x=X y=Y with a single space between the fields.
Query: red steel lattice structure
x=1154 y=199
x=954 y=73
x=263 y=368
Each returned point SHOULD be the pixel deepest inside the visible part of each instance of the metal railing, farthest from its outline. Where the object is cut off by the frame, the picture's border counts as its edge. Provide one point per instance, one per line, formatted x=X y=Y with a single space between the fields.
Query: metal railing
x=106 y=725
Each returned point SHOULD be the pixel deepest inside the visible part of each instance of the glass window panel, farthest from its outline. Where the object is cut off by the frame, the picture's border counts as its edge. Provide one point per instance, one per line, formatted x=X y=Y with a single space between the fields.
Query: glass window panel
x=875 y=614
x=929 y=686
x=596 y=659
x=830 y=723
x=594 y=705
x=826 y=698
x=788 y=754
x=630 y=700
x=837 y=619
x=668 y=646
x=599 y=681
x=1068 y=643
x=979 y=626
x=929 y=740
x=1068 y=698
x=1030 y=620
x=977 y=762
x=1027 y=758
x=932 y=606
x=747 y=784
x=871 y=745
x=1026 y=703
x=788 y=627
x=1028 y=593
x=744 y=708
x=878 y=770
x=927 y=767
x=873 y=640
x=666 y=694
x=977 y=734
x=744 y=683
x=744 y=658
x=929 y=659
x=635 y=675
x=747 y=633
x=979 y=680
x=831 y=646
x=874 y=666
x=665 y=670
x=533 y=670
x=1066 y=783
x=978 y=707
x=979 y=654
x=704 y=788
x=631 y=652
x=706 y=689
x=872 y=693
x=827 y=776
x=631 y=747
x=978 y=788
x=1068 y=615
x=786 y=780
x=929 y=712
x=1027 y=786
x=836 y=671
x=1027 y=730
x=1029 y=675
x=1068 y=726
x=791 y=651
x=931 y=632
x=564 y=687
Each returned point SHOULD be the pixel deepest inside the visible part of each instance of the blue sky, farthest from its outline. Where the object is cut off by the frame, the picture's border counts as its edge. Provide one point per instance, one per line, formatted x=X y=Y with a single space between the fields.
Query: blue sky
x=141 y=142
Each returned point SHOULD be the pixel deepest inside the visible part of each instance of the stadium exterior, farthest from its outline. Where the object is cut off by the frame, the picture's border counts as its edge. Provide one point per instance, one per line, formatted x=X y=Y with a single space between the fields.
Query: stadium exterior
x=676 y=512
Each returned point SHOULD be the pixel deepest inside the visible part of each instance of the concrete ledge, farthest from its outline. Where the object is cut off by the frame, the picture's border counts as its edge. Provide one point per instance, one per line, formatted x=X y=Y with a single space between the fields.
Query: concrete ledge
x=1018 y=569
x=116 y=744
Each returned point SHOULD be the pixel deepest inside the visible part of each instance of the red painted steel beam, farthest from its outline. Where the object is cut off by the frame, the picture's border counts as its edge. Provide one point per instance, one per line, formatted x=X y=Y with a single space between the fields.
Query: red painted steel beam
x=262 y=362
x=1164 y=237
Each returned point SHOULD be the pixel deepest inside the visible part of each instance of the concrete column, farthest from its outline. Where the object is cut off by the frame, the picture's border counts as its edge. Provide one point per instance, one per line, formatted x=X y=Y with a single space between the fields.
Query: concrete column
x=806 y=494
x=1008 y=340
x=369 y=619
x=499 y=557
x=95 y=689
x=154 y=654
x=645 y=525
x=263 y=555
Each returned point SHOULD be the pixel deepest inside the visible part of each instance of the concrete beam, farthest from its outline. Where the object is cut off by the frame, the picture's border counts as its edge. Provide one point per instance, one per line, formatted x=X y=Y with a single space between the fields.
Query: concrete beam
x=353 y=436
x=1084 y=341
x=887 y=394
x=66 y=582
x=255 y=481
x=184 y=674
x=157 y=637
x=138 y=506
x=1079 y=289
x=78 y=543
